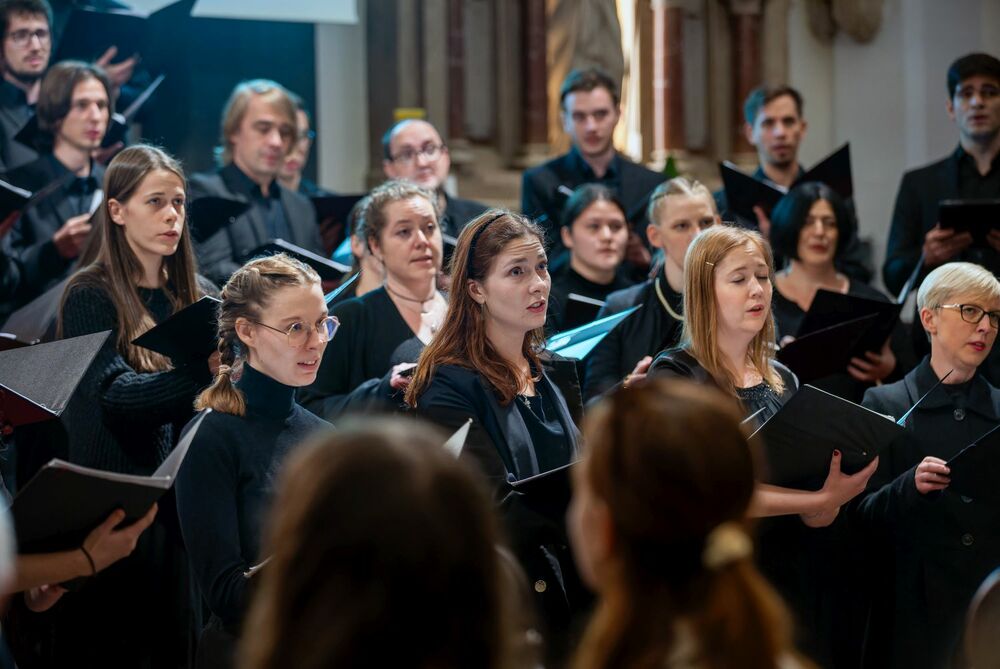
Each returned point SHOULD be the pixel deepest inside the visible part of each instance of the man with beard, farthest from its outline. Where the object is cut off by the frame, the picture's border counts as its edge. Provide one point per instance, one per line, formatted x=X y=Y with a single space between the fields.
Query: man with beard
x=259 y=129
x=590 y=111
x=413 y=150
x=27 y=46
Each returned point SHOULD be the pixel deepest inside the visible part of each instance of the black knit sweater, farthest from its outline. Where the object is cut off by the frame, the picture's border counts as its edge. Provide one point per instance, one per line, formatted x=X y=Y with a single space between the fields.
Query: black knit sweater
x=119 y=419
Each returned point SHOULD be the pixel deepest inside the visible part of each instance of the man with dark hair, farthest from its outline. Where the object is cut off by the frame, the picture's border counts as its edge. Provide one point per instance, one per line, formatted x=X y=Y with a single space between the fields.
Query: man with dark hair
x=972 y=171
x=412 y=149
x=27 y=46
x=775 y=127
x=590 y=111
x=259 y=128
x=74 y=107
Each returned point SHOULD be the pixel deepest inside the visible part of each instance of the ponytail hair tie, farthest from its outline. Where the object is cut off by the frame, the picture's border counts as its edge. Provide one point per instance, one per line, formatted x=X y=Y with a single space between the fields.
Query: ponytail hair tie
x=725 y=544
x=225 y=370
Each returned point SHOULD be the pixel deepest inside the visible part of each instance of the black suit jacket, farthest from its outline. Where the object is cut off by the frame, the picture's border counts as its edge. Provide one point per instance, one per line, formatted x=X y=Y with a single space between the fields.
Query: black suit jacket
x=30 y=240
x=916 y=212
x=541 y=196
x=458 y=213
x=226 y=249
x=14 y=113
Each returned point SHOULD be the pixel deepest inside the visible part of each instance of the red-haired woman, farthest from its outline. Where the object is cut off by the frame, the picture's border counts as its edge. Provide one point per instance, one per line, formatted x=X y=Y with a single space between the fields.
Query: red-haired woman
x=484 y=364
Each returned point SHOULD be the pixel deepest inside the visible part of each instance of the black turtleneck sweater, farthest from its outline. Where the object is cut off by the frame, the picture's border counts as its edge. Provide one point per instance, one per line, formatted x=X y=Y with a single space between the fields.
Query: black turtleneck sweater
x=225 y=485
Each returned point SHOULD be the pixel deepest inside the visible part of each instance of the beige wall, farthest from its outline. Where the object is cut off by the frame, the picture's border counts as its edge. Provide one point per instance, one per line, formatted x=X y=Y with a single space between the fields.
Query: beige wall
x=886 y=97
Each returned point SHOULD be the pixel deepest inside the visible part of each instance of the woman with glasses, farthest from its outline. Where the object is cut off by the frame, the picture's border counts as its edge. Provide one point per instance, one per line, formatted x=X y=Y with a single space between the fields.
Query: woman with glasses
x=125 y=408
x=385 y=329
x=678 y=211
x=273 y=328
x=940 y=544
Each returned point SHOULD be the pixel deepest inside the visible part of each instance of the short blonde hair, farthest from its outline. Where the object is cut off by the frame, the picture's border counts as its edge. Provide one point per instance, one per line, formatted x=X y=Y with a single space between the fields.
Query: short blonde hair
x=678 y=186
x=236 y=108
x=701 y=319
x=957 y=278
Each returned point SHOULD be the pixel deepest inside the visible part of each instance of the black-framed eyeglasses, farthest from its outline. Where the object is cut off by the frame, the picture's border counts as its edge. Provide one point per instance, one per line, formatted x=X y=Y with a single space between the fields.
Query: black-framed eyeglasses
x=428 y=151
x=970 y=313
x=298 y=333
x=23 y=36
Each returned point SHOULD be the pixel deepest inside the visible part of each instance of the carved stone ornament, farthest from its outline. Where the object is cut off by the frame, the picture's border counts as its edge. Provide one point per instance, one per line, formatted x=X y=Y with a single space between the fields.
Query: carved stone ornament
x=859 y=19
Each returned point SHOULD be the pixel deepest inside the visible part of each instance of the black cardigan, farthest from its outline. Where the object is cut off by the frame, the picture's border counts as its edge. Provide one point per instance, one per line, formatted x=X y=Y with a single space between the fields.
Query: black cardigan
x=119 y=419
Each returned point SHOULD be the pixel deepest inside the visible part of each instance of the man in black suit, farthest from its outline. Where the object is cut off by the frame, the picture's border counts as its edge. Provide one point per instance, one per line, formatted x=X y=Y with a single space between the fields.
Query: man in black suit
x=27 y=46
x=258 y=132
x=74 y=107
x=413 y=150
x=971 y=171
x=590 y=111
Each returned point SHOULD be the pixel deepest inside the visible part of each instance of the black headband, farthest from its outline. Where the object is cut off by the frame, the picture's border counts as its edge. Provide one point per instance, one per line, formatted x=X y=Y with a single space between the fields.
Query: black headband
x=475 y=240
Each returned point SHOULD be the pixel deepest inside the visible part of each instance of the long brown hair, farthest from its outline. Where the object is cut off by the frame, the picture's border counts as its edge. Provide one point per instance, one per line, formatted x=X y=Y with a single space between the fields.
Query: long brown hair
x=701 y=318
x=669 y=461
x=118 y=271
x=246 y=295
x=462 y=338
x=383 y=554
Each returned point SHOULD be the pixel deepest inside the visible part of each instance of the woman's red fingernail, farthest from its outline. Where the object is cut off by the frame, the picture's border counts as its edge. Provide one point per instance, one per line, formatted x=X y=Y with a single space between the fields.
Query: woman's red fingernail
x=836 y=452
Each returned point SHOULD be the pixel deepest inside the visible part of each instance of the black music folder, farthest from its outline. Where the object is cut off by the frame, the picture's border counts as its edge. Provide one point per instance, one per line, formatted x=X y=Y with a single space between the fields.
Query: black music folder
x=799 y=439
x=63 y=502
x=551 y=490
x=975 y=470
x=12 y=199
x=977 y=217
x=335 y=207
x=28 y=396
x=826 y=351
x=743 y=192
x=829 y=309
x=328 y=270
x=188 y=335
x=207 y=215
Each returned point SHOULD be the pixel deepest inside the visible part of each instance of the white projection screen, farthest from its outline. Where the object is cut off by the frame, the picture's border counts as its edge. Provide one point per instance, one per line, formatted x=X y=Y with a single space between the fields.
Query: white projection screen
x=306 y=11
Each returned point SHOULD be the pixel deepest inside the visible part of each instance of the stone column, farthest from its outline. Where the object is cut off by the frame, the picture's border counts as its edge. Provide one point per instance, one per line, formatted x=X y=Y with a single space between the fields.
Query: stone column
x=745 y=28
x=456 y=73
x=535 y=116
x=668 y=78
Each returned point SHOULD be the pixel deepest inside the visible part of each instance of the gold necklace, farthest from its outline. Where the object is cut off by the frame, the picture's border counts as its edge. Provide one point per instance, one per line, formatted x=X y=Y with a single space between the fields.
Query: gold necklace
x=663 y=301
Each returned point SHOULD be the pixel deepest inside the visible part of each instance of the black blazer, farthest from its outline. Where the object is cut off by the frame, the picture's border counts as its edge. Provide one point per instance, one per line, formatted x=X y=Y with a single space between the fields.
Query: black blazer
x=458 y=213
x=540 y=194
x=225 y=250
x=938 y=547
x=14 y=114
x=30 y=240
x=646 y=332
x=499 y=442
x=916 y=212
